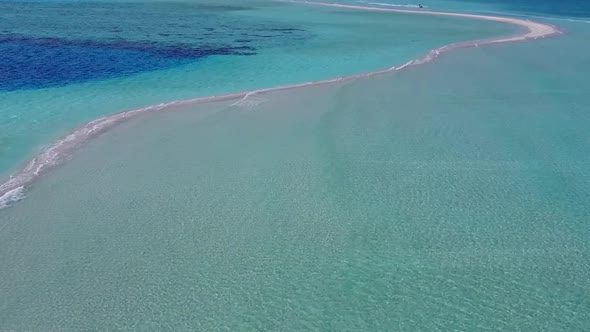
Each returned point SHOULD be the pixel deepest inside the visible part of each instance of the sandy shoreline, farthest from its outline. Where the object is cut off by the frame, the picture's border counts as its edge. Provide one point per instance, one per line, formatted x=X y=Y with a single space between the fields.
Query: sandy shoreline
x=12 y=190
x=535 y=30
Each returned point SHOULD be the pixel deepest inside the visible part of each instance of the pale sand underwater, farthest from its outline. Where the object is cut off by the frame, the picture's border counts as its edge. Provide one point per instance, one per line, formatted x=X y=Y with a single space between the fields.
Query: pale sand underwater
x=431 y=199
x=12 y=190
x=452 y=195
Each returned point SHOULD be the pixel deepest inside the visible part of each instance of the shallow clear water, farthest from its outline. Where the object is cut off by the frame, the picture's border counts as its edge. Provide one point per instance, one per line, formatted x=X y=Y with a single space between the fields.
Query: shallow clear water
x=450 y=196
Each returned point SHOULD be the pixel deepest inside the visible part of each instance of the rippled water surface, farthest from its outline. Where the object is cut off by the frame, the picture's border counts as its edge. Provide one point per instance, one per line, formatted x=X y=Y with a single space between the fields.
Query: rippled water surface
x=449 y=196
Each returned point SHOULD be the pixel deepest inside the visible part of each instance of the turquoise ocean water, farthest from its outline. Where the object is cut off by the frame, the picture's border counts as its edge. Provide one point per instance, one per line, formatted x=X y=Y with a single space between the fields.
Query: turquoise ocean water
x=450 y=196
x=146 y=53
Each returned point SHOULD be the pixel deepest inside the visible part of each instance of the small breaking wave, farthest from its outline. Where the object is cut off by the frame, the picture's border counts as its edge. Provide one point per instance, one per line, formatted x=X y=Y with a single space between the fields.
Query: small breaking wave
x=11 y=197
x=13 y=189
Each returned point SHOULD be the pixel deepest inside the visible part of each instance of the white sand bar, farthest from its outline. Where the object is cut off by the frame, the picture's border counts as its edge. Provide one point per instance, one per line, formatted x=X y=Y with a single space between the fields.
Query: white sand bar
x=12 y=190
x=535 y=30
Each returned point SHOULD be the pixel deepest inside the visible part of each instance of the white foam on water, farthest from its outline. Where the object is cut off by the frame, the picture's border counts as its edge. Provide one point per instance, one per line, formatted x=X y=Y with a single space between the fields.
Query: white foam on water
x=11 y=197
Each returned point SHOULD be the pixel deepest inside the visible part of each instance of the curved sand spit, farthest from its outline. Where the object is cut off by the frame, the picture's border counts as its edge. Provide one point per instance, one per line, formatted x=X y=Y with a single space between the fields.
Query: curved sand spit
x=12 y=190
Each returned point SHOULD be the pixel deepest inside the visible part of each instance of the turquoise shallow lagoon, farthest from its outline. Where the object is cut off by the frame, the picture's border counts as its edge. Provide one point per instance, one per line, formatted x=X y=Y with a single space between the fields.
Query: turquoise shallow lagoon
x=320 y=43
x=449 y=196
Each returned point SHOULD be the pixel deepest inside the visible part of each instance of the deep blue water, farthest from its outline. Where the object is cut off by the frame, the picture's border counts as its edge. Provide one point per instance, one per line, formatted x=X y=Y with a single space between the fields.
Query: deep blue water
x=43 y=62
x=54 y=44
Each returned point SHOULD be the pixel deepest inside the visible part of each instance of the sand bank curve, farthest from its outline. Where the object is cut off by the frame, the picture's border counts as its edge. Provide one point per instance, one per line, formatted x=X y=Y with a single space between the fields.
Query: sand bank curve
x=12 y=189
